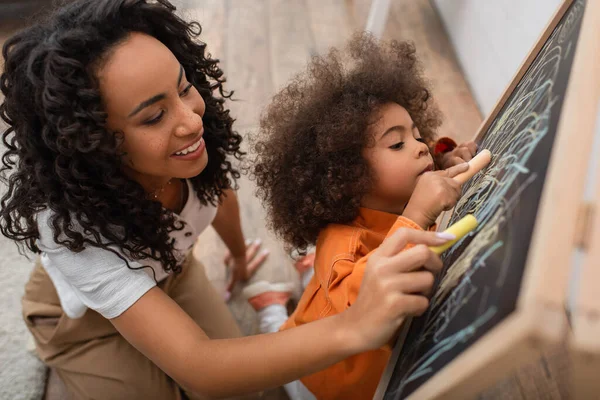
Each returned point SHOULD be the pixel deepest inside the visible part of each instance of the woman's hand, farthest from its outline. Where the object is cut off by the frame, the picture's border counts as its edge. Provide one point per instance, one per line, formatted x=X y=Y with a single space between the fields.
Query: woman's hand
x=243 y=267
x=393 y=287
x=396 y=285
x=435 y=192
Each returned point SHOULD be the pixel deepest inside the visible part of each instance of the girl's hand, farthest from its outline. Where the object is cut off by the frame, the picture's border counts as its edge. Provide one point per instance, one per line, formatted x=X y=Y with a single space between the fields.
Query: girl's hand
x=435 y=192
x=462 y=153
x=242 y=268
x=395 y=286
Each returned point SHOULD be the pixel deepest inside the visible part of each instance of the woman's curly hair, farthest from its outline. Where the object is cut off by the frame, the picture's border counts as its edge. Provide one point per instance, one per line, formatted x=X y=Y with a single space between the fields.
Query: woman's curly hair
x=309 y=166
x=60 y=154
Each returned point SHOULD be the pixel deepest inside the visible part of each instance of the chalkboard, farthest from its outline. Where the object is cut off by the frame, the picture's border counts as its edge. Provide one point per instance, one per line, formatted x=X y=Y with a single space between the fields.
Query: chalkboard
x=481 y=281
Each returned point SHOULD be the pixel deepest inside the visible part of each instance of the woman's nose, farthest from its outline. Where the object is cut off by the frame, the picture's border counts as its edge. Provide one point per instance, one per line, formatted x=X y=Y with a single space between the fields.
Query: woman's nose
x=189 y=123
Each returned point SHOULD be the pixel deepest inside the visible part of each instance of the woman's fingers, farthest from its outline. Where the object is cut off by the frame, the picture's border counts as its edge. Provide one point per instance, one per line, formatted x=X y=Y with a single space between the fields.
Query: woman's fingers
x=412 y=304
x=403 y=236
x=252 y=249
x=415 y=258
x=256 y=262
x=417 y=282
x=227 y=259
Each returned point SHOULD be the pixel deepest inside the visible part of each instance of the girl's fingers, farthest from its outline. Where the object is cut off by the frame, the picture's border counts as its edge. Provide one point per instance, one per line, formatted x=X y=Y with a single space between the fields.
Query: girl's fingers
x=472 y=146
x=394 y=244
x=464 y=153
x=456 y=169
x=456 y=161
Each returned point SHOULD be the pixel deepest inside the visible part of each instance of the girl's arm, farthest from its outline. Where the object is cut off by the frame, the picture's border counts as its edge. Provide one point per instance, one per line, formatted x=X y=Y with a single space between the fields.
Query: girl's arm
x=165 y=334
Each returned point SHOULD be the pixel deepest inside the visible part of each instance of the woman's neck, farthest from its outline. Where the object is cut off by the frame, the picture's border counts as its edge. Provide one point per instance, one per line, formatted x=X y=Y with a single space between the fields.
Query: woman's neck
x=172 y=198
x=168 y=191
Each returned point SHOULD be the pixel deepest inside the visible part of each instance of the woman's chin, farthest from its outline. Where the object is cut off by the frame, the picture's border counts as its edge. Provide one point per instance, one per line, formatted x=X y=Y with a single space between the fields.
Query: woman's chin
x=195 y=169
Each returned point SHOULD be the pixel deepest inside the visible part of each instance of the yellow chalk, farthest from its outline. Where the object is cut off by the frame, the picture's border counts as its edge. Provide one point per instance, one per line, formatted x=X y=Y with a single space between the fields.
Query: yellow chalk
x=459 y=229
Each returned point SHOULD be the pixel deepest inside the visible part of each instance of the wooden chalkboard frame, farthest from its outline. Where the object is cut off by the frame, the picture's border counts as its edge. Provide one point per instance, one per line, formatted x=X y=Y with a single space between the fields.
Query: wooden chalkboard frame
x=584 y=341
x=539 y=320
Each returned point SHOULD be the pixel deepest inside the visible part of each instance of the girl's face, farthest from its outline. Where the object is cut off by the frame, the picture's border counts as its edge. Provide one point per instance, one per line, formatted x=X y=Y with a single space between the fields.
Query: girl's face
x=149 y=99
x=398 y=159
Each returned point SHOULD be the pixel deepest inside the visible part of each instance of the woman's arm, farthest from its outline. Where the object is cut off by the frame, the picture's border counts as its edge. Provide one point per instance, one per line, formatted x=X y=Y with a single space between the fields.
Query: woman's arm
x=243 y=259
x=163 y=332
x=228 y=225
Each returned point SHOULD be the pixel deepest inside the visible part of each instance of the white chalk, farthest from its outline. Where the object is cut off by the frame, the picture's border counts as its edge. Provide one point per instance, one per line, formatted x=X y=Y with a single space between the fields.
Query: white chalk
x=479 y=162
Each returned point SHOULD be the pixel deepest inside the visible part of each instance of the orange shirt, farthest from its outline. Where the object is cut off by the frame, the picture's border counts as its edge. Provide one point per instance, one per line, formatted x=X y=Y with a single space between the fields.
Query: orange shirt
x=341 y=255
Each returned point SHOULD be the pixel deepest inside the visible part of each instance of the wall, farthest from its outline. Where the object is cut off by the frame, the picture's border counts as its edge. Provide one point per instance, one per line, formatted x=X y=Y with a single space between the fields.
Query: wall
x=491 y=39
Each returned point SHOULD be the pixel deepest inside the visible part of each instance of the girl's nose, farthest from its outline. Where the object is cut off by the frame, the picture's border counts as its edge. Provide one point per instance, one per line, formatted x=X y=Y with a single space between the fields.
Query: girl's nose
x=422 y=150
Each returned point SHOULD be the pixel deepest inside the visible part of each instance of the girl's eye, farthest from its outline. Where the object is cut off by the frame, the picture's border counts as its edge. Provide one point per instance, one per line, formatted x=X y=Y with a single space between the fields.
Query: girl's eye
x=156 y=119
x=422 y=140
x=397 y=146
x=185 y=91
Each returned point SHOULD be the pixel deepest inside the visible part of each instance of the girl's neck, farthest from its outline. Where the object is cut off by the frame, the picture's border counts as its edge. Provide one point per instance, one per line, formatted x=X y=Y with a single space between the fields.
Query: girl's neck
x=378 y=204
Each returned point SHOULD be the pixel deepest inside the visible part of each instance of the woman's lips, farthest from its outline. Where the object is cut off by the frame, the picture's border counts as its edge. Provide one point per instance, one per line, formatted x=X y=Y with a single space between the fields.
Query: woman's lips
x=194 y=154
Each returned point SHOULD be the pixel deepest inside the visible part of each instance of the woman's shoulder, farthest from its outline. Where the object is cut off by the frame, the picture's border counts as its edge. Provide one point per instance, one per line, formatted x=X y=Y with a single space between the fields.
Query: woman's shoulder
x=46 y=238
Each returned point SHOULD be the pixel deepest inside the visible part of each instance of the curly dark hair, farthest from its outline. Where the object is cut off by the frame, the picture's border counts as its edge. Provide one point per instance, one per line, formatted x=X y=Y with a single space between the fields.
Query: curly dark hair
x=309 y=166
x=60 y=154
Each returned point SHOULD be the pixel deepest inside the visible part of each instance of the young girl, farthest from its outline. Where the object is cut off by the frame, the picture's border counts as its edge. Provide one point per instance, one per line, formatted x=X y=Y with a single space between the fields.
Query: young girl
x=343 y=162
x=118 y=152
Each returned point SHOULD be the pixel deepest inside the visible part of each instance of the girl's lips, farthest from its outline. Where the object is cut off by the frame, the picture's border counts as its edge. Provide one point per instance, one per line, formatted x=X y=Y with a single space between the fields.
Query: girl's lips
x=194 y=154
x=428 y=169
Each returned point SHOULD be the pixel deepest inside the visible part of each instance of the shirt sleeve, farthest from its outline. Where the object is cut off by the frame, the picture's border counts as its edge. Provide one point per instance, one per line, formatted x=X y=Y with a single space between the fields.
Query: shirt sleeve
x=98 y=277
x=347 y=275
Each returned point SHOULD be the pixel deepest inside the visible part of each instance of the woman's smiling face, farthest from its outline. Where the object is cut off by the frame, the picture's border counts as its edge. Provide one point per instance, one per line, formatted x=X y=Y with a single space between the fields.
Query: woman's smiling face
x=149 y=100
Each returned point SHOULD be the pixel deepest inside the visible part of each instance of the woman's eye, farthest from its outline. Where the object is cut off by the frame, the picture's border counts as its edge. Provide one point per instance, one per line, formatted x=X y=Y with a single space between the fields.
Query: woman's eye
x=397 y=146
x=156 y=119
x=185 y=91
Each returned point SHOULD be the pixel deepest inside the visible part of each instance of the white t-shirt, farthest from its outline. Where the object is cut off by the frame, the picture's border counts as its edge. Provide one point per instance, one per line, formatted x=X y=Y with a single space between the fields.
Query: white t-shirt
x=98 y=279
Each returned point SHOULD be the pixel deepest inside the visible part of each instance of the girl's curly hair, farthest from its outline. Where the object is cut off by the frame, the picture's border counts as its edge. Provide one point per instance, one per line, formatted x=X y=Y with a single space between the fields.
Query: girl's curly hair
x=60 y=154
x=309 y=166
